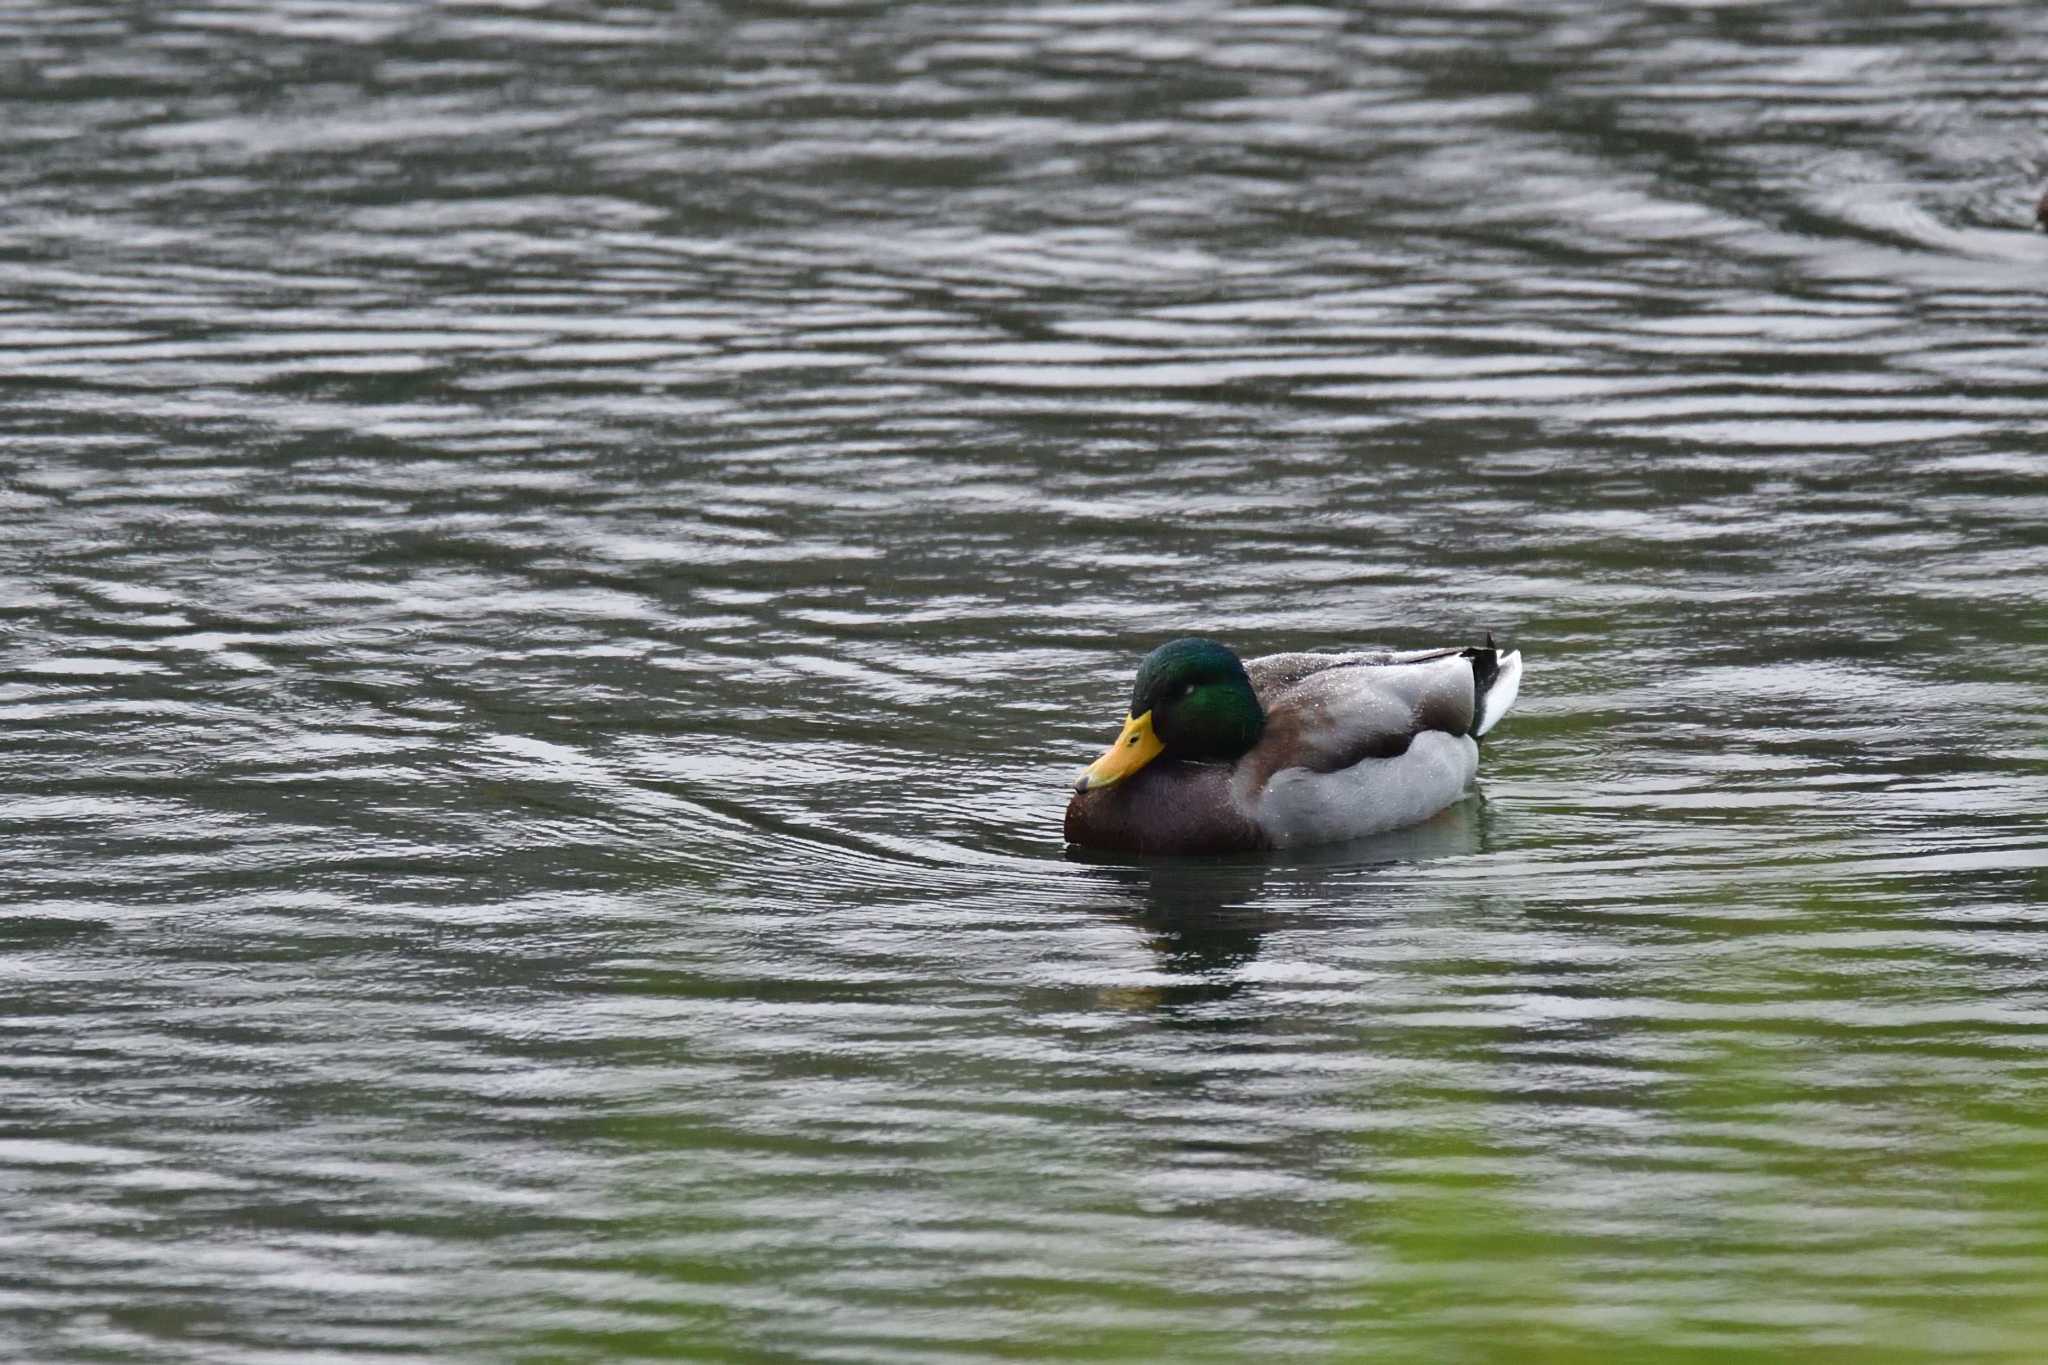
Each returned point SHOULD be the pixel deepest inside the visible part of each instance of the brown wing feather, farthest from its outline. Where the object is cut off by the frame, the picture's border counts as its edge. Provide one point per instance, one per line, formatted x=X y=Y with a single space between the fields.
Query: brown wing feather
x=1325 y=712
x=1272 y=673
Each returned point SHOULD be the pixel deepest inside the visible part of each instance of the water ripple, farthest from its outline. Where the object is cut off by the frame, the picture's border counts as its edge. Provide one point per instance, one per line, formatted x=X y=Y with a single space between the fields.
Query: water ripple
x=560 y=560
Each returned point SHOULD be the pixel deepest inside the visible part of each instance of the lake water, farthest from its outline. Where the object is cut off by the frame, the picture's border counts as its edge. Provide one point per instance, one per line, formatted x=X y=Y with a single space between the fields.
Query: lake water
x=557 y=562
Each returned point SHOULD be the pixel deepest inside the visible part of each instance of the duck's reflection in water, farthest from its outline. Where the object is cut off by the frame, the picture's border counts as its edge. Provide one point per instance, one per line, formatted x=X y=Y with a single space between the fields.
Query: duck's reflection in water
x=1205 y=917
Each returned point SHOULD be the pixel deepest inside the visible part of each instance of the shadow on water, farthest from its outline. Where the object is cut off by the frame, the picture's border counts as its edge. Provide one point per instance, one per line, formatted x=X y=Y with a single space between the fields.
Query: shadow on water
x=1205 y=918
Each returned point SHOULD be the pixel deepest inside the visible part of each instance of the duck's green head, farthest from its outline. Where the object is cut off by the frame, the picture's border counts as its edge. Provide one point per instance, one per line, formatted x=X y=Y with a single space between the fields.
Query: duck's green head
x=1191 y=699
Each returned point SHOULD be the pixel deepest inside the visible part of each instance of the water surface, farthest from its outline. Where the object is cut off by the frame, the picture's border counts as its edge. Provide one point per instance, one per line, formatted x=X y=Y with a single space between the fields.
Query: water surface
x=558 y=561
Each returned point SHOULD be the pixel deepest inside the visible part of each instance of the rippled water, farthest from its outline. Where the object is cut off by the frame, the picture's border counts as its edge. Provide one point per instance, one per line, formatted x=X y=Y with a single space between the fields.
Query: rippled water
x=558 y=561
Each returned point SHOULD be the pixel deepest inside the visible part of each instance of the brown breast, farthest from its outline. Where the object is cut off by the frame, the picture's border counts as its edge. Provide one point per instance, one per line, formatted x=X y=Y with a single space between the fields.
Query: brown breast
x=1167 y=807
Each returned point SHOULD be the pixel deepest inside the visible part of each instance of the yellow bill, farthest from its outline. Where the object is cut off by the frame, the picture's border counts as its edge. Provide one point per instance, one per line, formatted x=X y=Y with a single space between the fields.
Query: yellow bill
x=1134 y=748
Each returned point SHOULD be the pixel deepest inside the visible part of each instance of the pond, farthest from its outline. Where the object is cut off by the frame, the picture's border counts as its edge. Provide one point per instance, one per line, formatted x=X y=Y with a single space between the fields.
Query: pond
x=560 y=560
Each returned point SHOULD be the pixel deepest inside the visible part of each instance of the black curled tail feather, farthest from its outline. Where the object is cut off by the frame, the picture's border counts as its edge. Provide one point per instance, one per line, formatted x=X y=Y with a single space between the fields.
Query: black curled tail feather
x=1485 y=661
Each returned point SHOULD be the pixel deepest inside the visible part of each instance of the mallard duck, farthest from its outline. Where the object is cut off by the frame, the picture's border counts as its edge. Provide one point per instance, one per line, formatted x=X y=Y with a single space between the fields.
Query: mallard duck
x=1220 y=755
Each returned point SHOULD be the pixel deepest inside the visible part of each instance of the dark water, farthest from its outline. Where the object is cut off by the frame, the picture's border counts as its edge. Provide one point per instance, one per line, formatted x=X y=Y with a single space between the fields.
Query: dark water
x=558 y=560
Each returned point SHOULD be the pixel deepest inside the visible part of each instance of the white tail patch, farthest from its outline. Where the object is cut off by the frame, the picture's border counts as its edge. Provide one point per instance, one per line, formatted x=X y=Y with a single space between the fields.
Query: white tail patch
x=1507 y=684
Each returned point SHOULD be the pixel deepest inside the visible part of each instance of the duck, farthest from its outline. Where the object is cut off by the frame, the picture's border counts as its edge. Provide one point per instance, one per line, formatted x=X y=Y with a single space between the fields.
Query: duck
x=1226 y=755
